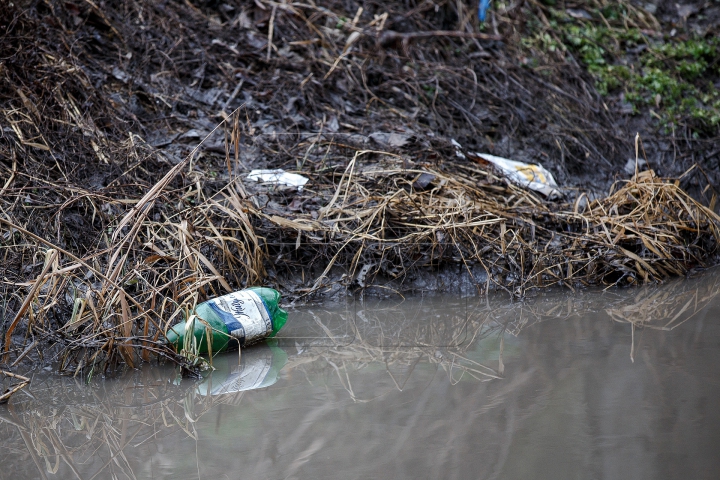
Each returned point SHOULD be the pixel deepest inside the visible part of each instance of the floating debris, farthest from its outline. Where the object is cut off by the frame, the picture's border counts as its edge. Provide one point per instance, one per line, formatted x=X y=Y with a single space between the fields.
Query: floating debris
x=141 y=230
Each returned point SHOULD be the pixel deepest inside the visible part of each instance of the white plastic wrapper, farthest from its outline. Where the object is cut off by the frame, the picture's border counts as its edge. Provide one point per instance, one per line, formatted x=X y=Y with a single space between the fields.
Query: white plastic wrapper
x=534 y=177
x=279 y=177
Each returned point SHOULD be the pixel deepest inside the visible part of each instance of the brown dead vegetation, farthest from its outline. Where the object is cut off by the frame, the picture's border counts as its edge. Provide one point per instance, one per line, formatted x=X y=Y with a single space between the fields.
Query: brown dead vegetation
x=122 y=194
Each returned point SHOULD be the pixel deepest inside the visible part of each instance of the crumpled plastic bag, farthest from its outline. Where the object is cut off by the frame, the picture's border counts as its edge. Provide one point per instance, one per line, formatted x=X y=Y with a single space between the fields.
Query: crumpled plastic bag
x=279 y=177
x=528 y=175
x=534 y=177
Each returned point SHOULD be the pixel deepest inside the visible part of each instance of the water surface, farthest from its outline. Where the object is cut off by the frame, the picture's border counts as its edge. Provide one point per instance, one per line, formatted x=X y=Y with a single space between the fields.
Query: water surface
x=616 y=384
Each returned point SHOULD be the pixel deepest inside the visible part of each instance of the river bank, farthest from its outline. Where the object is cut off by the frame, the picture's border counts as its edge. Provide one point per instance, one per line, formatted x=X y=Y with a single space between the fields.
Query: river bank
x=129 y=133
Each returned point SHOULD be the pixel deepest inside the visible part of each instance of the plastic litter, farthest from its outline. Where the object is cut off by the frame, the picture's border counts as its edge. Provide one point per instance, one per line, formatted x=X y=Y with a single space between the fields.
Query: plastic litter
x=534 y=177
x=631 y=165
x=528 y=175
x=279 y=177
x=423 y=181
x=482 y=9
x=234 y=320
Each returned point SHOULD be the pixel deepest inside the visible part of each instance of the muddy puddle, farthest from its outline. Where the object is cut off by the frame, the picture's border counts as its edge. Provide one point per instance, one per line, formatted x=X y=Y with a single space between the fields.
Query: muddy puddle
x=616 y=384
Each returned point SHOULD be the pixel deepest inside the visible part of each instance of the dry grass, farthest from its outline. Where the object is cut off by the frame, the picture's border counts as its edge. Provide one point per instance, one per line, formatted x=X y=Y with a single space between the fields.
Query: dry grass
x=94 y=270
x=648 y=229
x=7 y=392
x=115 y=303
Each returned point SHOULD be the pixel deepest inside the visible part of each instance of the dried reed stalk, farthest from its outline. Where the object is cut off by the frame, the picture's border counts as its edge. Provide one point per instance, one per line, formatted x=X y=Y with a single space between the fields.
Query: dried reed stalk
x=136 y=249
x=24 y=381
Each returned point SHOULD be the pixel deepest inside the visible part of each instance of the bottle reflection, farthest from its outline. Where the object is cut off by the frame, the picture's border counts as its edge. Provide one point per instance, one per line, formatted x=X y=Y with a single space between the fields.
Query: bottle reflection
x=257 y=367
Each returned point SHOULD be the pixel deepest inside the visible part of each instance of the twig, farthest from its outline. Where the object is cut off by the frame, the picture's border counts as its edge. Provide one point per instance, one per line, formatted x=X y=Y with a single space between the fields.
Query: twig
x=24 y=381
x=30 y=297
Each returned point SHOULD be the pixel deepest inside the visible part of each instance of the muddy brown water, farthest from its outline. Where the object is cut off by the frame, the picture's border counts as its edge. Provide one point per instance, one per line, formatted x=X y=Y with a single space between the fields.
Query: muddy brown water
x=615 y=384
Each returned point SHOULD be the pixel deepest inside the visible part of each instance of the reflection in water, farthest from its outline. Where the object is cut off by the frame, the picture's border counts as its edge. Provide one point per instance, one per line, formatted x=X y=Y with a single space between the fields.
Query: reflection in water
x=620 y=384
x=255 y=368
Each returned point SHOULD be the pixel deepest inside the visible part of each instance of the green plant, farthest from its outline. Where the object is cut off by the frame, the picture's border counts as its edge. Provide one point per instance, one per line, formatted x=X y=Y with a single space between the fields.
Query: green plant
x=668 y=75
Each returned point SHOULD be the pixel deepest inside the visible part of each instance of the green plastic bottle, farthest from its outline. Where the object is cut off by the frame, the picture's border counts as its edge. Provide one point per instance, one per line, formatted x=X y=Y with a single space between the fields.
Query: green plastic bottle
x=237 y=319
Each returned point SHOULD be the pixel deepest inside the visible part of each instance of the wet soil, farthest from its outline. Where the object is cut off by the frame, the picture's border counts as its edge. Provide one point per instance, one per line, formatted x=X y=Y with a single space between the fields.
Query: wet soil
x=121 y=93
x=100 y=100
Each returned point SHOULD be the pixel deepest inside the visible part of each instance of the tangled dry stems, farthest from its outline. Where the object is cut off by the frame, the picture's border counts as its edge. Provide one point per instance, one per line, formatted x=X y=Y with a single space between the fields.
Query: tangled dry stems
x=647 y=230
x=107 y=239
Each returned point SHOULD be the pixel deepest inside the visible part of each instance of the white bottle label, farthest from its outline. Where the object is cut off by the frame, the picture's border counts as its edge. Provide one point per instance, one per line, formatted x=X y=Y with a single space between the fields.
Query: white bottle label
x=244 y=314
